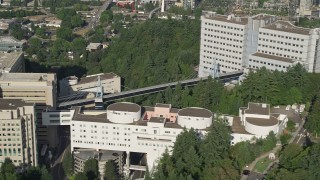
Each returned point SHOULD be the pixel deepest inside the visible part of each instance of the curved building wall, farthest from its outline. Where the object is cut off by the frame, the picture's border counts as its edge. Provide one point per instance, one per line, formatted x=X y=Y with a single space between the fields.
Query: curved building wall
x=194 y=121
x=260 y=130
x=123 y=115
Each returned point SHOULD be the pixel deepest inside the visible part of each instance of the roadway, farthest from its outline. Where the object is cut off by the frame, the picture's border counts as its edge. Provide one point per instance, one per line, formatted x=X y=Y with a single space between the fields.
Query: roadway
x=95 y=20
x=57 y=171
x=153 y=11
x=148 y=90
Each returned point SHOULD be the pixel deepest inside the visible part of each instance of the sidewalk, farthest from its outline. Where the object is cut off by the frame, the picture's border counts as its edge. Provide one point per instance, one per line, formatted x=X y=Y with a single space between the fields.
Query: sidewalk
x=274 y=150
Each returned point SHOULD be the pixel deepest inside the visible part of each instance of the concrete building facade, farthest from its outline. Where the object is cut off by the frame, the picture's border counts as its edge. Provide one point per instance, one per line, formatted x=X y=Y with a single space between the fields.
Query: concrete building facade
x=230 y=43
x=39 y=88
x=129 y=127
x=110 y=82
x=255 y=121
x=17 y=132
x=9 y=43
x=11 y=62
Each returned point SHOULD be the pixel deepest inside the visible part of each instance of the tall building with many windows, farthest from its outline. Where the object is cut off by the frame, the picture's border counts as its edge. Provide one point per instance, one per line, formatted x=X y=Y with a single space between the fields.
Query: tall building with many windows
x=39 y=88
x=17 y=132
x=227 y=41
x=230 y=43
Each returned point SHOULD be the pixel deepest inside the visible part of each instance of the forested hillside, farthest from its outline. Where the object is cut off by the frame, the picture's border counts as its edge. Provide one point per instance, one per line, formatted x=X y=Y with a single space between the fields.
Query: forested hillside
x=154 y=52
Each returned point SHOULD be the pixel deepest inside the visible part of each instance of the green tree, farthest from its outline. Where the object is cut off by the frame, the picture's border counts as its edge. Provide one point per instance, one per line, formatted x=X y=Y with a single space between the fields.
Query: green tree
x=91 y=169
x=40 y=32
x=106 y=16
x=110 y=171
x=36 y=4
x=7 y=167
x=81 y=176
x=76 y=21
x=67 y=164
x=65 y=33
x=215 y=146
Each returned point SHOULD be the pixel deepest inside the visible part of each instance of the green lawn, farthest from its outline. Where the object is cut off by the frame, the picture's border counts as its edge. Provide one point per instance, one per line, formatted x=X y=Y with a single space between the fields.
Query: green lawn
x=262 y=164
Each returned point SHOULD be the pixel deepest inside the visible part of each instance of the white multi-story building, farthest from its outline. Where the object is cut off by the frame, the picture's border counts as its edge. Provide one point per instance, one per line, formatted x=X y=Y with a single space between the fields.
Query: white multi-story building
x=255 y=121
x=17 y=132
x=231 y=43
x=110 y=82
x=286 y=45
x=227 y=41
x=129 y=127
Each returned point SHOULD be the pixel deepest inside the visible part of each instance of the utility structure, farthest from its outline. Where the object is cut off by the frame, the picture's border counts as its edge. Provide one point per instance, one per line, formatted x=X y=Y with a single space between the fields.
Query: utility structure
x=98 y=100
x=215 y=69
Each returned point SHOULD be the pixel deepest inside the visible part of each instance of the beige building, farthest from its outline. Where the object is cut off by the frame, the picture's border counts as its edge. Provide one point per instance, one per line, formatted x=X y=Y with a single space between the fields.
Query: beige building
x=17 y=132
x=110 y=82
x=39 y=88
x=11 y=62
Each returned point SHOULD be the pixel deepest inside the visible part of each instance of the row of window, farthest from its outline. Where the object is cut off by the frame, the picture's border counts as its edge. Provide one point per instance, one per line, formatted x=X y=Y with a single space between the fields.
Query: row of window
x=279 y=48
x=223 y=32
x=281 y=36
x=223 y=26
x=10 y=124
x=269 y=64
x=278 y=54
x=10 y=151
x=102 y=143
x=225 y=44
x=9 y=134
x=225 y=38
x=223 y=49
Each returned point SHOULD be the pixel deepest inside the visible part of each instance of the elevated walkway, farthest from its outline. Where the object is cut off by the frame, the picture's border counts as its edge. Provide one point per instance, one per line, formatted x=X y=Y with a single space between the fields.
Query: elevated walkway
x=149 y=90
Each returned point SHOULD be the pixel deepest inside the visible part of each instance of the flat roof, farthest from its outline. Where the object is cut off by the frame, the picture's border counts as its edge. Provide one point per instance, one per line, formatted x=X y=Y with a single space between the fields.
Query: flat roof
x=277 y=58
x=195 y=112
x=7 y=60
x=286 y=26
x=237 y=126
x=94 y=78
x=258 y=108
x=263 y=17
x=229 y=19
x=12 y=104
x=163 y=105
x=9 y=40
x=25 y=77
x=124 y=106
x=157 y=119
x=262 y=122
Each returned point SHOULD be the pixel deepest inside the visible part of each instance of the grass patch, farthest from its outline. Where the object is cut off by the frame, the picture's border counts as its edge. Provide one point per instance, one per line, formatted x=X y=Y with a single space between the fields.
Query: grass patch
x=262 y=164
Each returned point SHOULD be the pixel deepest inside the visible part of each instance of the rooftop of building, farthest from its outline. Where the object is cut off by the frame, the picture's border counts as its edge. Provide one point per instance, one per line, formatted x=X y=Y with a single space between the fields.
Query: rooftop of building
x=10 y=39
x=79 y=115
x=124 y=106
x=7 y=60
x=94 y=78
x=195 y=112
x=12 y=104
x=263 y=17
x=262 y=122
x=103 y=155
x=277 y=58
x=163 y=105
x=224 y=18
x=237 y=127
x=157 y=119
x=93 y=45
x=258 y=108
x=26 y=77
x=286 y=26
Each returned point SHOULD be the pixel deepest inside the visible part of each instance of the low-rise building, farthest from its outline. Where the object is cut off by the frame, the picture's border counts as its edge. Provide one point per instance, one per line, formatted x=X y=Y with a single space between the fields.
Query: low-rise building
x=94 y=47
x=255 y=121
x=17 y=132
x=5 y=24
x=9 y=43
x=39 y=88
x=11 y=62
x=129 y=127
x=102 y=156
x=53 y=22
x=110 y=82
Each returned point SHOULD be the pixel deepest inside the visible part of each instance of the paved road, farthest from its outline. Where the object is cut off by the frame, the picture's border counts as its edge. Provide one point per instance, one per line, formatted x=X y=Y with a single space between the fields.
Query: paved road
x=64 y=145
x=95 y=20
x=274 y=150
